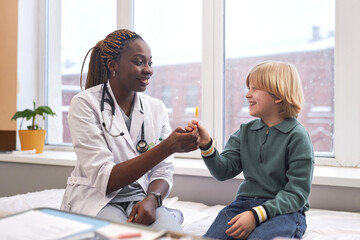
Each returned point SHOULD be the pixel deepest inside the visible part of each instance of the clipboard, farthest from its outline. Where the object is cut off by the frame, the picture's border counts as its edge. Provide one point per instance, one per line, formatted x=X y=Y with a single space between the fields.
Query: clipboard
x=49 y=223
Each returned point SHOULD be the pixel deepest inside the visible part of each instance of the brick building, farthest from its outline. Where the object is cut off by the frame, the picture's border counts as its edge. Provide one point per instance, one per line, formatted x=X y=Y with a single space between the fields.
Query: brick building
x=182 y=93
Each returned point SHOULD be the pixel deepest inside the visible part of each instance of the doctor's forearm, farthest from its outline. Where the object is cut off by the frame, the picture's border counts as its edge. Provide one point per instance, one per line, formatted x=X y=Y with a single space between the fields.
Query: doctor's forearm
x=127 y=172
x=159 y=186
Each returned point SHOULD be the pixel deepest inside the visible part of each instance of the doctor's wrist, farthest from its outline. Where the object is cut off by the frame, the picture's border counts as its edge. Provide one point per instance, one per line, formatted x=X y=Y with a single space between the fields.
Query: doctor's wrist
x=156 y=198
x=166 y=147
x=162 y=150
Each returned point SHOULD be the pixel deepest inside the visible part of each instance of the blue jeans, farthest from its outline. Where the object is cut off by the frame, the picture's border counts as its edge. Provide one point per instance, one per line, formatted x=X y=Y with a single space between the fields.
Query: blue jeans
x=292 y=225
x=120 y=213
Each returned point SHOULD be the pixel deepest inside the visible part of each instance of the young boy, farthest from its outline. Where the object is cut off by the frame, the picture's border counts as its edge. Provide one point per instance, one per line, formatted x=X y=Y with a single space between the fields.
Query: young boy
x=275 y=154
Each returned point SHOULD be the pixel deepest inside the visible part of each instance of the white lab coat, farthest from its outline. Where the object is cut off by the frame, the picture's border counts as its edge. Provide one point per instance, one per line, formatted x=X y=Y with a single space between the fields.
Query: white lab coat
x=97 y=152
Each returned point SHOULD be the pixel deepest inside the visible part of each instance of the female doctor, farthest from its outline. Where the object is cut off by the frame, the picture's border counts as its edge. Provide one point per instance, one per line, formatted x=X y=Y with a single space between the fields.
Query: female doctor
x=118 y=174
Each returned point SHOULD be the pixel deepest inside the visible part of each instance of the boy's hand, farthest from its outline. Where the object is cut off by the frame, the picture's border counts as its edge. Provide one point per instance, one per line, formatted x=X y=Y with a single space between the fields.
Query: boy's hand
x=204 y=134
x=242 y=225
x=192 y=125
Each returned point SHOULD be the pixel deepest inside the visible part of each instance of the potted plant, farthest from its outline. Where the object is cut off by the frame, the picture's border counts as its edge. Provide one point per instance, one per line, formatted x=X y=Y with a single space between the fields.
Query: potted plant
x=34 y=137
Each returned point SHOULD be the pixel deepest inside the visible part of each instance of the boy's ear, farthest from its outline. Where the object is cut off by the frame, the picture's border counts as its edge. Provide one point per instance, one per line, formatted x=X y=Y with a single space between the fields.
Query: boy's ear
x=278 y=100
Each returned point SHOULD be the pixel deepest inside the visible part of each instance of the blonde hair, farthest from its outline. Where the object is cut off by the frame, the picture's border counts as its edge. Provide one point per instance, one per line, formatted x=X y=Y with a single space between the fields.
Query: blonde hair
x=281 y=80
x=109 y=48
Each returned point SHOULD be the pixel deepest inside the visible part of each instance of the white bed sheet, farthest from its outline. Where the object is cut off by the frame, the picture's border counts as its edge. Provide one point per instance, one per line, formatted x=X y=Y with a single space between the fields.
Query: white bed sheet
x=47 y=198
x=322 y=224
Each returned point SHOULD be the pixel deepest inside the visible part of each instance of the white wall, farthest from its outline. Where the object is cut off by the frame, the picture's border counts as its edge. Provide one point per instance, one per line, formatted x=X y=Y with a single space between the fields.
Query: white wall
x=37 y=177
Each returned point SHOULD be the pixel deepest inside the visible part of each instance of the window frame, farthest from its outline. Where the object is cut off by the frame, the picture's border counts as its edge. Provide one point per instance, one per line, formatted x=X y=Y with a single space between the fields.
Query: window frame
x=347 y=49
x=347 y=52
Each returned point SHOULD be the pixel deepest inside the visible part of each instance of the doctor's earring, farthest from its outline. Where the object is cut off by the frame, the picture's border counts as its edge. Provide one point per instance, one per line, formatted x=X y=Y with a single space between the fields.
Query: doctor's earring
x=114 y=74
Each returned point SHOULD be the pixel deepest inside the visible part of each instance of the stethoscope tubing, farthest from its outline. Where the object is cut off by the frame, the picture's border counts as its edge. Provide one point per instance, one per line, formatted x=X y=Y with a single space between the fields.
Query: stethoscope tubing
x=142 y=145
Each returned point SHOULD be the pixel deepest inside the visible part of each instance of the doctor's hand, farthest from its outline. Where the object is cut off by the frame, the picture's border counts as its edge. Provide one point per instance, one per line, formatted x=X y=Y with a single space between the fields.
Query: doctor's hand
x=143 y=212
x=182 y=141
x=204 y=135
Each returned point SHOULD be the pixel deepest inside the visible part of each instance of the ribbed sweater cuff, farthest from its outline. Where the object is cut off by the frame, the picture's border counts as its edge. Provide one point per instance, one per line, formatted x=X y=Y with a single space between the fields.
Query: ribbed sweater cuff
x=260 y=214
x=208 y=150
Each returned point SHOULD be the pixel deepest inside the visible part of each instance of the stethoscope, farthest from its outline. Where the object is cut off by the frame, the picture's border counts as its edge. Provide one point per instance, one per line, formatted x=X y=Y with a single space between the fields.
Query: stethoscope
x=142 y=145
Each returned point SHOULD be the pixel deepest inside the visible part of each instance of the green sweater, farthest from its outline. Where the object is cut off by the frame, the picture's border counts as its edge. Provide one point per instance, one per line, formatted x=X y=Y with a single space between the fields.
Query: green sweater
x=277 y=163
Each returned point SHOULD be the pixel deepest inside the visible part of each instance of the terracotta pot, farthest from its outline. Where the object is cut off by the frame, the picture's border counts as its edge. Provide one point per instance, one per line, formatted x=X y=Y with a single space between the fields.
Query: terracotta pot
x=32 y=139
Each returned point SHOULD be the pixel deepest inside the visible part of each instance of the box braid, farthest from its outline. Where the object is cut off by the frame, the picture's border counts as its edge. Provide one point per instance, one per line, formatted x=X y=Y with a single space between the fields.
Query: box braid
x=109 y=48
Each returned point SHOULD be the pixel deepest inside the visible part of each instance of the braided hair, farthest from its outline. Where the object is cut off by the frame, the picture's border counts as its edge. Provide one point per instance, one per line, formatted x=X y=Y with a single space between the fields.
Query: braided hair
x=109 y=48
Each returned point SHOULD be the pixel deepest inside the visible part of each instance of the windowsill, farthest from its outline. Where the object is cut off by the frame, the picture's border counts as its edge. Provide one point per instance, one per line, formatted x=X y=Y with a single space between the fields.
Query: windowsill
x=323 y=175
x=57 y=158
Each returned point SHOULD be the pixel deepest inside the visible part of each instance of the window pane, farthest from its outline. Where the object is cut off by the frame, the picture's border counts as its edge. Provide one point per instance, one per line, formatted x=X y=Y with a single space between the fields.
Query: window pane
x=81 y=28
x=298 y=31
x=173 y=31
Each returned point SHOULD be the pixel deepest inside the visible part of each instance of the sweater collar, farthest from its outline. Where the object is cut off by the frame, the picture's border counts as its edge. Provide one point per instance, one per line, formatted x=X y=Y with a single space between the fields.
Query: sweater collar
x=285 y=126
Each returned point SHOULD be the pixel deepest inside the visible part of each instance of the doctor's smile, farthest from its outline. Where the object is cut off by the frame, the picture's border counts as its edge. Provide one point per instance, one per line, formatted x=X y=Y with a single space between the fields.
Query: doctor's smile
x=145 y=81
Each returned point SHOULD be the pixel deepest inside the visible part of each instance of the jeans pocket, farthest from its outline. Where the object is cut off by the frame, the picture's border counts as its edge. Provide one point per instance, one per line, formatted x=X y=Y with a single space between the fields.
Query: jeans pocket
x=228 y=214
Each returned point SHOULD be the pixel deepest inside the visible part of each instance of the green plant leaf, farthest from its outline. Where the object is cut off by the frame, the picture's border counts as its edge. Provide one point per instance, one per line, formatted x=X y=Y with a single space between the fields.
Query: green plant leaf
x=27 y=113
x=31 y=114
x=44 y=110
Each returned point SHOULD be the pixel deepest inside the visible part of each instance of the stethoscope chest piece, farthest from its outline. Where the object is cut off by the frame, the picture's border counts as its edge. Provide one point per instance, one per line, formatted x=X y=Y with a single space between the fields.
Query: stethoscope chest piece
x=142 y=146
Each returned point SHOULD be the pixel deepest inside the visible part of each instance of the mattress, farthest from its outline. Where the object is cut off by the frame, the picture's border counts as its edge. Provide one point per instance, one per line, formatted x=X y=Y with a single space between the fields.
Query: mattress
x=322 y=224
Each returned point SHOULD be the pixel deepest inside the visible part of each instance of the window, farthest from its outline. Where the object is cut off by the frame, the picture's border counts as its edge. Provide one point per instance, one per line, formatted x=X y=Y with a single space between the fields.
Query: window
x=256 y=34
x=67 y=48
x=166 y=96
x=176 y=47
x=193 y=44
x=191 y=97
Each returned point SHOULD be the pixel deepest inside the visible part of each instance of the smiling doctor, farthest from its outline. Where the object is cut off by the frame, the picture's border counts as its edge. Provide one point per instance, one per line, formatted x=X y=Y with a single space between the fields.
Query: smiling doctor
x=123 y=169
